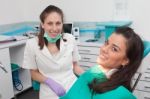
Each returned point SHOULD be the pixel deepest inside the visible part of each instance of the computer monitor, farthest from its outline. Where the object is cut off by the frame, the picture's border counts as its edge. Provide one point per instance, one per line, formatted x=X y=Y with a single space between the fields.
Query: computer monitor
x=67 y=27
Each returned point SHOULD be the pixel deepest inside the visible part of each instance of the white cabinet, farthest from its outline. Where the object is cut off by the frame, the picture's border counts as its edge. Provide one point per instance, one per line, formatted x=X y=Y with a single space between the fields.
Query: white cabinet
x=88 y=49
x=142 y=95
x=16 y=56
x=89 y=53
x=12 y=52
x=143 y=86
x=6 y=86
x=142 y=90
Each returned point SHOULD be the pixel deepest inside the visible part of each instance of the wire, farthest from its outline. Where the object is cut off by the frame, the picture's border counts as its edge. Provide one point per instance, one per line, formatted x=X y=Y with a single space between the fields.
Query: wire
x=16 y=81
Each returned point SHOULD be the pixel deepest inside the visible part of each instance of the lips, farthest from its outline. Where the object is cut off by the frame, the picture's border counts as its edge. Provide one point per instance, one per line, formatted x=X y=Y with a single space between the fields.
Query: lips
x=53 y=35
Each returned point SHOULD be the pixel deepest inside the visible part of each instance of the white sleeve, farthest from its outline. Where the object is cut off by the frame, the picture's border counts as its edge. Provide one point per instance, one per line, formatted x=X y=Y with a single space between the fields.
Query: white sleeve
x=76 y=55
x=29 y=61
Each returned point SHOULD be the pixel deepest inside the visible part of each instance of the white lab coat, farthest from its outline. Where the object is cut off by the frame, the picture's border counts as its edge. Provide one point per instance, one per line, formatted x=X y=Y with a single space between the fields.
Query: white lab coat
x=59 y=69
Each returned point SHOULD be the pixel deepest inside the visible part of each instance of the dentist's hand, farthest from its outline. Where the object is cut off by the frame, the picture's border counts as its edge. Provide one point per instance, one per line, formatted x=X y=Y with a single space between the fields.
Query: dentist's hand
x=56 y=87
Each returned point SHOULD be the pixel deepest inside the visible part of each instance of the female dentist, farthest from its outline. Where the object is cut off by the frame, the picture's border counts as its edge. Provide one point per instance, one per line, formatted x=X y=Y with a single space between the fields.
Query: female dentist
x=53 y=56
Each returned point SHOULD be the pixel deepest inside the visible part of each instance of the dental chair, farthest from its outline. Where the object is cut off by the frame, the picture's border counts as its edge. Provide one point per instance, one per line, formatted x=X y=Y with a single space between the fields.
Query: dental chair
x=144 y=65
x=146 y=48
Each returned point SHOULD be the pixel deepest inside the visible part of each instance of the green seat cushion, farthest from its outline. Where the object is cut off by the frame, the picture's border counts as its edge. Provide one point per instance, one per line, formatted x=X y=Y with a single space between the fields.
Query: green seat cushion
x=35 y=85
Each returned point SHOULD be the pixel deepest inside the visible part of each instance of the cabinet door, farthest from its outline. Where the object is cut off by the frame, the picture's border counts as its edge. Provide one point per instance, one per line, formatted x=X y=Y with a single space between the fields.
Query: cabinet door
x=88 y=58
x=141 y=94
x=24 y=74
x=145 y=65
x=145 y=77
x=89 y=54
x=143 y=86
x=89 y=50
x=6 y=86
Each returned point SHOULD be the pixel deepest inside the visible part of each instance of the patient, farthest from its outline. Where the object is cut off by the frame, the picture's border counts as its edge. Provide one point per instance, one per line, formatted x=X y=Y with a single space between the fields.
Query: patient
x=119 y=59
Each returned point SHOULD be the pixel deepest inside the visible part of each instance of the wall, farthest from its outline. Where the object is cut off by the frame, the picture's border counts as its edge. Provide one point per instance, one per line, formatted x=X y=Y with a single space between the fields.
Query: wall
x=12 y=11
x=139 y=13
x=77 y=10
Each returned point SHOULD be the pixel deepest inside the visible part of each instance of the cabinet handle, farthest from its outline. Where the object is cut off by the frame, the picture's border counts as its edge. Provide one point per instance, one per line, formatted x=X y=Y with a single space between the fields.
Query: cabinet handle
x=85 y=50
x=86 y=58
x=148 y=68
x=147 y=87
x=147 y=77
x=3 y=68
x=0 y=96
x=146 y=97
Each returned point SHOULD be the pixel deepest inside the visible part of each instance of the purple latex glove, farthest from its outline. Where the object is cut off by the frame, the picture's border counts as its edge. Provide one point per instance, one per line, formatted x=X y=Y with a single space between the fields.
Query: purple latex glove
x=56 y=87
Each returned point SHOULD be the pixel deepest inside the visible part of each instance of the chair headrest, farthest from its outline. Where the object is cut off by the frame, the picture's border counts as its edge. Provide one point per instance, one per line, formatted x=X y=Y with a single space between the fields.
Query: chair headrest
x=146 y=48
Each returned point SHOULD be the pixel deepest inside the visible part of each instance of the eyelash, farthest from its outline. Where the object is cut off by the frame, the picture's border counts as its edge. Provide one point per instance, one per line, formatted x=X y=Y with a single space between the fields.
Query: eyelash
x=113 y=48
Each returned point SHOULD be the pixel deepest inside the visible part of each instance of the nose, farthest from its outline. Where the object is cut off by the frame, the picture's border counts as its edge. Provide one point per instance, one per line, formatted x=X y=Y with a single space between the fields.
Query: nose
x=54 y=27
x=104 y=49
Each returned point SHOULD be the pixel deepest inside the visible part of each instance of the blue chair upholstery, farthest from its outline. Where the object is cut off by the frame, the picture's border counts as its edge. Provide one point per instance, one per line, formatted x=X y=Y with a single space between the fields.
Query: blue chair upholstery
x=146 y=48
x=35 y=85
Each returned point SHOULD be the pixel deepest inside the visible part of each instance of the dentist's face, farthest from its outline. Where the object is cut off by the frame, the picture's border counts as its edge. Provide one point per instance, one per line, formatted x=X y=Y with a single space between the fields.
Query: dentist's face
x=113 y=52
x=53 y=24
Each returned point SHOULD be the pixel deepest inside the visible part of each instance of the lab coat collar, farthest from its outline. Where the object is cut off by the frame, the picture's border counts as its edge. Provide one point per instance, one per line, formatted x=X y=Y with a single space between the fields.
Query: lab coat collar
x=110 y=72
x=63 y=47
x=46 y=52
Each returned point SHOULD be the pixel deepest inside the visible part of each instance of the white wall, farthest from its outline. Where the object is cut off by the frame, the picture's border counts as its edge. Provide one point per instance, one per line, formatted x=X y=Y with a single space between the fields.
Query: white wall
x=140 y=15
x=12 y=11
x=77 y=10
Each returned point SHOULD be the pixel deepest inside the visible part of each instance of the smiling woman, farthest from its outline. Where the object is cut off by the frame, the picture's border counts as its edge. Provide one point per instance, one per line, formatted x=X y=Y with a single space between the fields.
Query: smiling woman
x=113 y=53
x=119 y=58
x=52 y=56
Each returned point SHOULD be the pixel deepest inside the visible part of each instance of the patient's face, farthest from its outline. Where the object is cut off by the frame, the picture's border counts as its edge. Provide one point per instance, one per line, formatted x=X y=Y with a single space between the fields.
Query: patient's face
x=113 y=52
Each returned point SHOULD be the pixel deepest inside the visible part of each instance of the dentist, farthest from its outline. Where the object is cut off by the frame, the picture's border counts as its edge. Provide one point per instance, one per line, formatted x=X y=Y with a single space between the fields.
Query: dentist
x=53 y=56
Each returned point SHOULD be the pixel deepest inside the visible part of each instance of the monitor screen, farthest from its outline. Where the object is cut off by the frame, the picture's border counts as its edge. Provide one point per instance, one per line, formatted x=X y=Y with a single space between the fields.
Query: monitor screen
x=67 y=27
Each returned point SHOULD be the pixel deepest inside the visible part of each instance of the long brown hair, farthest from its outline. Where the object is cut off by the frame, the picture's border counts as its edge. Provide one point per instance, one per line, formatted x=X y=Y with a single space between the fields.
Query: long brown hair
x=43 y=15
x=124 y=75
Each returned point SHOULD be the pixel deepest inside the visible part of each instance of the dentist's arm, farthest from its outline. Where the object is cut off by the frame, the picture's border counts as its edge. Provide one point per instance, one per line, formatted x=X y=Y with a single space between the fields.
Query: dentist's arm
x=37 y=76
x=77 y=69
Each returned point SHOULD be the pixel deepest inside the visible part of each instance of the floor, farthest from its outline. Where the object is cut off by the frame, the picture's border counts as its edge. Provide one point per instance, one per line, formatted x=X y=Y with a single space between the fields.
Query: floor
x=28 y=94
